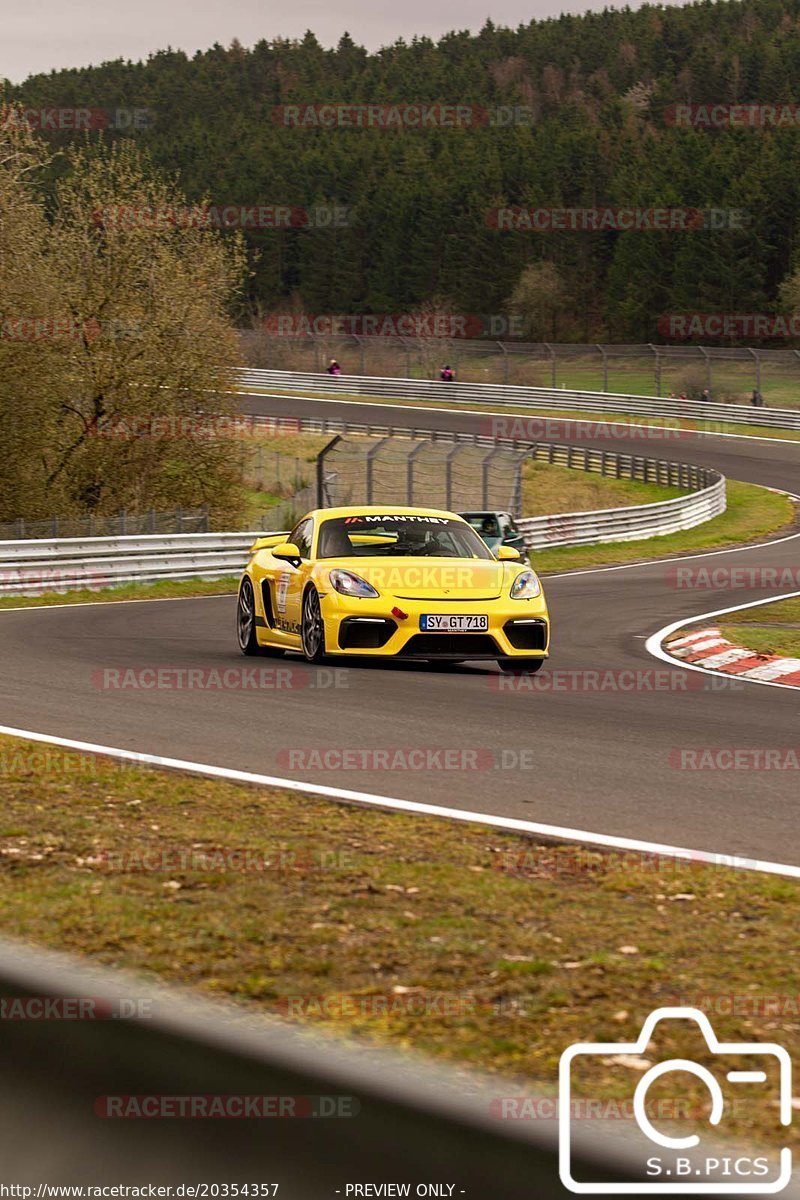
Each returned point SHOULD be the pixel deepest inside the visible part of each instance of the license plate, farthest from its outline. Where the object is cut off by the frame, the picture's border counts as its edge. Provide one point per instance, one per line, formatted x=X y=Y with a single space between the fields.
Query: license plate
x=442 y=623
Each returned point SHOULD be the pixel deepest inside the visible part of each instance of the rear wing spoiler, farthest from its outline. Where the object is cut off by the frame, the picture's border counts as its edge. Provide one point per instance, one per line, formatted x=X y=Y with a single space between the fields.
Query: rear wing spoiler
x=272 y=539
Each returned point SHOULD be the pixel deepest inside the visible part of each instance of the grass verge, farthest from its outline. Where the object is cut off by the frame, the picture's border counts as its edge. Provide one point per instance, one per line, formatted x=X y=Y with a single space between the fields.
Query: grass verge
x=753 y=512
x=469 y=944
x=768 y=629
x=549 y=489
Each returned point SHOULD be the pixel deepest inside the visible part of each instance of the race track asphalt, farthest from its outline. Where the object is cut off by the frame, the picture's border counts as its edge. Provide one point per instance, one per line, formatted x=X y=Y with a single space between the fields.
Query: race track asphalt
x=601 y=753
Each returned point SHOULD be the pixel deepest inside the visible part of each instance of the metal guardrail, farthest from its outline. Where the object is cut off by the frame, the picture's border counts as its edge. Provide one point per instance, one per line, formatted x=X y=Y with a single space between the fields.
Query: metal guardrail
x=33 y=566
x=404 y=1119
x=509 y=396
x=633 y=522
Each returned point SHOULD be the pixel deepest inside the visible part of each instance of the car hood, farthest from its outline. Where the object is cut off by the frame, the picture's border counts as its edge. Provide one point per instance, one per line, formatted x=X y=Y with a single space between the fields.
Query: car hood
x=427 y=578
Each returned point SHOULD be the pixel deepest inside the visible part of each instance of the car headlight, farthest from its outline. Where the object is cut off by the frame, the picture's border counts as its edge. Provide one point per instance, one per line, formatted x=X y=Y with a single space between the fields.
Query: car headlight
x=526 y=586
x=349 y=584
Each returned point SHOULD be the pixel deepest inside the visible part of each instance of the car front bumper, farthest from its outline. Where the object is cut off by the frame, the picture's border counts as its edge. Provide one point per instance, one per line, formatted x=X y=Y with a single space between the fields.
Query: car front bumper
x=516 y=628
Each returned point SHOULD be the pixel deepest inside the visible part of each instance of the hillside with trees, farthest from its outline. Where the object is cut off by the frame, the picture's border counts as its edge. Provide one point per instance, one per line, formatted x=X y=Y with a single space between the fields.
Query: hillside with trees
x=597 y=89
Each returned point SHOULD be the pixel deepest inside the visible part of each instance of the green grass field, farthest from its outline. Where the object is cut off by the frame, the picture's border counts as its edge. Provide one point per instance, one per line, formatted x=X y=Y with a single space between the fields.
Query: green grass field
x=472 y=945
x=768 y=629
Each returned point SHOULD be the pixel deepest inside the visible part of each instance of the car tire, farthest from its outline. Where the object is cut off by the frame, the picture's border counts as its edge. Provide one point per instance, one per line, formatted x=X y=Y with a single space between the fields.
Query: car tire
x=246 y=625
x=520 y=666
x=312 y=627
x=246 y=619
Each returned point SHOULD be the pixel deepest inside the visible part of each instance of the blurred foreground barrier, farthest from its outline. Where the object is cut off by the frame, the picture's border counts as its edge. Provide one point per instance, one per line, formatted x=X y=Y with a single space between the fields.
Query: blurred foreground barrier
x=70 y=1091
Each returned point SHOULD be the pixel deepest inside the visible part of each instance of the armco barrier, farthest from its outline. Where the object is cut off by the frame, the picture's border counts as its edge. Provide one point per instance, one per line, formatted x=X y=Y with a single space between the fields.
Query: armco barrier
x=630 y=523
x=509 y=396
x=33 y=566
x=65 y=564
x=404 y=1119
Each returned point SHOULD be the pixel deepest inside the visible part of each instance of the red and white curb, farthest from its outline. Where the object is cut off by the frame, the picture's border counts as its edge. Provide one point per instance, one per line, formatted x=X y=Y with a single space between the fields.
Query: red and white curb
x=709 y=649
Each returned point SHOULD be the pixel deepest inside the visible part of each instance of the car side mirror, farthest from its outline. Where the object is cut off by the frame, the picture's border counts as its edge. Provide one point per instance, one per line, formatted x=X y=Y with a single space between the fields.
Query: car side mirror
x=287 y=552
x=507 y=554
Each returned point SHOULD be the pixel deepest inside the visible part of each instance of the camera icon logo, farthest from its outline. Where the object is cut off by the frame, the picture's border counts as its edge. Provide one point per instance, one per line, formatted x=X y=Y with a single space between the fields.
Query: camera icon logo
x=671 y=1164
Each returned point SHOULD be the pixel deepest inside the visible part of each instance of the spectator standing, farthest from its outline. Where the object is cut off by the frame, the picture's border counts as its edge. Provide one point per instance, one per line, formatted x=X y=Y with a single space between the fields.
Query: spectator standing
x=447 y=374
x=334 y=368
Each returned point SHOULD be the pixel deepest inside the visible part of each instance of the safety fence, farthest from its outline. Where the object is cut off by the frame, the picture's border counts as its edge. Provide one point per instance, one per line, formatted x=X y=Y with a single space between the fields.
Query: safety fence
x=32 y=566
x=711 y=415
x=405 y=471
x=178 y=520
x=728 y=372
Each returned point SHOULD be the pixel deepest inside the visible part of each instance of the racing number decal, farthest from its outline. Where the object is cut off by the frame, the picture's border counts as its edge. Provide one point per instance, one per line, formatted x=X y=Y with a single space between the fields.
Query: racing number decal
x=281 y=590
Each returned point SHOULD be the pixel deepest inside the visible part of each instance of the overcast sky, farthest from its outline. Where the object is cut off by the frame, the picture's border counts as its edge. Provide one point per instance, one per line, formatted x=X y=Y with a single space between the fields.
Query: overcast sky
x=50 y=34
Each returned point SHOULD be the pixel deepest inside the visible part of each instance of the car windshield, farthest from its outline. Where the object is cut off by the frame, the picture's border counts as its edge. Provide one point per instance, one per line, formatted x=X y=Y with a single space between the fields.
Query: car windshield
x=404 y=535
x=486 y=524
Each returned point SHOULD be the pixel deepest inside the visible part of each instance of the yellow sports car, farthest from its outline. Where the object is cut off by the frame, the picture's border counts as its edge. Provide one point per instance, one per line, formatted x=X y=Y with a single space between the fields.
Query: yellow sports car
x=406 y=583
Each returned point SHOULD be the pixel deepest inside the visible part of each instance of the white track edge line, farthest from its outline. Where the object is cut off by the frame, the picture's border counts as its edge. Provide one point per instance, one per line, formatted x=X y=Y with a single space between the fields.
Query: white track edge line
x=653 y=644
x=368 y=799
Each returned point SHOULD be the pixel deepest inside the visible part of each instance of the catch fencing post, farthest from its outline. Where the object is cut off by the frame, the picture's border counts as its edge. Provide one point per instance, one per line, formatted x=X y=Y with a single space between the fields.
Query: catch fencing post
x=321 y=469
x=370 y=466
x=410 y=472
x=448 y=476
x=605 y=367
